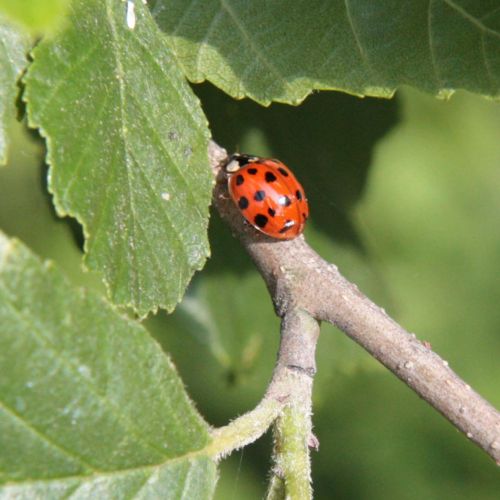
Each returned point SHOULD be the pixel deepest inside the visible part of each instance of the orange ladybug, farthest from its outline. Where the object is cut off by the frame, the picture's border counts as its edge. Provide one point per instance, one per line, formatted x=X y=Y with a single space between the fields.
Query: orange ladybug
x=268 y=195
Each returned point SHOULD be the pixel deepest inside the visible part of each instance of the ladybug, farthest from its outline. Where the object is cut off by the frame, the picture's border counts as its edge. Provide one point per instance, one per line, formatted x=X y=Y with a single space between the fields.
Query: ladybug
x=268 y=195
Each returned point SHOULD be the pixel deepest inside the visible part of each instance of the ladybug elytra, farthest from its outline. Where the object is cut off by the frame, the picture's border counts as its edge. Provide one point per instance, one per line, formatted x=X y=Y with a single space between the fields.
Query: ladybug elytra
x=268 y=195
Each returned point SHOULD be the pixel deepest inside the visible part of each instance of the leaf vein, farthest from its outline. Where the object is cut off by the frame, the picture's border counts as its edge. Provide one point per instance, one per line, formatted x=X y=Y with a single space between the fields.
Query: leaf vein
x=186 y=13
x=251 y=44
x=50 y=441
x=204 y=42
x=362 y=53
x=431 y=45
x=60 y=355
x=489 y=72
x=100 y=210
x=141 y=485
x=187 y=481
x=476 y=22
x=64 y=77
x=159 y=265
x=190 y=455
x=165 y=149
x=489 y=14
x=168 y=77
x=92 y=126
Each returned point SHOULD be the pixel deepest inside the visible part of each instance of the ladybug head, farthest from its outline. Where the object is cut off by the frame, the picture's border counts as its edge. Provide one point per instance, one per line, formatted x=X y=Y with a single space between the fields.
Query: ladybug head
x=237 y=160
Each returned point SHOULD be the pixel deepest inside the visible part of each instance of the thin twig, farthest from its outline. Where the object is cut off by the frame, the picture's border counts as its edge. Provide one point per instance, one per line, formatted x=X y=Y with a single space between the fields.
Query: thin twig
x=292 y=380
x=299 y=279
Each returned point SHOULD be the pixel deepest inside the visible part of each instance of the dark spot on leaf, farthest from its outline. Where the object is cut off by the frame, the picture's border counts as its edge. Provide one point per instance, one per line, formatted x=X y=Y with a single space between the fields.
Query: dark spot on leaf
x=243 y=203
x=260 y=220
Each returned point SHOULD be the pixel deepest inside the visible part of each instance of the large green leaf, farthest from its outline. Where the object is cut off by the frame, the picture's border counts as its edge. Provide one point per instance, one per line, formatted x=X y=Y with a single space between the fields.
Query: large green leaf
x=127 y=145
x=282 y=50
x=89 y=404
x=13 y=47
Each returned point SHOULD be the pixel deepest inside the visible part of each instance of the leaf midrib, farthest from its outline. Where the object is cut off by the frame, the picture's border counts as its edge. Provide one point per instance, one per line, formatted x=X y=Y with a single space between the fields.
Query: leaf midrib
x=60 y=356
x=206 y=452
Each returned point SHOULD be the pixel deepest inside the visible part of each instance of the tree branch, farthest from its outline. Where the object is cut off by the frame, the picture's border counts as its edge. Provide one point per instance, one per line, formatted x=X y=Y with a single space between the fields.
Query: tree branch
x=298 y=279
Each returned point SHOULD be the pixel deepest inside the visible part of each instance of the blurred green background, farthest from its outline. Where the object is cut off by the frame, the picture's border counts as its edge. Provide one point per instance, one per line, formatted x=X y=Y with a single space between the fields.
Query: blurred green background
x=405 y=199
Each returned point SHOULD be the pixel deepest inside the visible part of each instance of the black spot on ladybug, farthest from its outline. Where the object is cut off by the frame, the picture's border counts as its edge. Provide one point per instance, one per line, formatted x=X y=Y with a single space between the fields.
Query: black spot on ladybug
x=243 y=203
x=298 y=194
x=270 y=177
x=252 y=170
x=305 y=216
x=284 y=201
x=283 y=171
x=271 y=212
x=259 y=195
x=288 y=225
x=260 y=220
x=239 y=180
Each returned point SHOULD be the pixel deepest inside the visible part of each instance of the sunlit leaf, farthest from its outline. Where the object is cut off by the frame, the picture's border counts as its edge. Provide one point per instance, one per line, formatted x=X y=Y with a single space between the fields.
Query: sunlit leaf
x=90 y=406
x=127 y=145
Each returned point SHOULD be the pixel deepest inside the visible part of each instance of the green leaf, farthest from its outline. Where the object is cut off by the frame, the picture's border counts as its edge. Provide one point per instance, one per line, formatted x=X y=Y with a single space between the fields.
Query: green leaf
x=90 y=406
x=282 y=51
x=127 y=144
x=37 y=15
x=14 y=45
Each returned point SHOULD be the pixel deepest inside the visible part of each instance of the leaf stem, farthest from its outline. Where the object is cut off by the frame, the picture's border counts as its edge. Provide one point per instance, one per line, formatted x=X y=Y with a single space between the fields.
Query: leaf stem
x=245 y=429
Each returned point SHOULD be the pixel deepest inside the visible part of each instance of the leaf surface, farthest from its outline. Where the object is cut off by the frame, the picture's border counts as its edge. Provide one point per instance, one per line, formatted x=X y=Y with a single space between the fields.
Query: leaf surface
x=282 y=51
x=90 y=406
x=127 y=145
